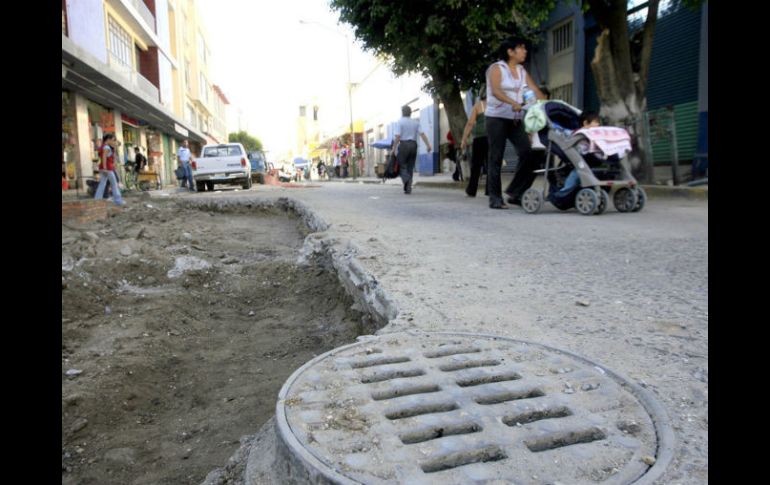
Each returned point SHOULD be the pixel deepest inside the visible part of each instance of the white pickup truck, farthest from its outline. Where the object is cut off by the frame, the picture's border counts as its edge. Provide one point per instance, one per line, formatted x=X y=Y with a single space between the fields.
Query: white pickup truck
x=226 y=163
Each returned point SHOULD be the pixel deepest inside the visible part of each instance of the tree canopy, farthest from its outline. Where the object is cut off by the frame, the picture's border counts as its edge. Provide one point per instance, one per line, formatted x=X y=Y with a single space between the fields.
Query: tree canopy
x=249 y=142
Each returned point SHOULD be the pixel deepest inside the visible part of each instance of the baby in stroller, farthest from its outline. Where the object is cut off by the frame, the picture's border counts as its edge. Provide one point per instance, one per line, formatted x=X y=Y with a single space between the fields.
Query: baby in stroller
x=595 y=157
x=563 y=197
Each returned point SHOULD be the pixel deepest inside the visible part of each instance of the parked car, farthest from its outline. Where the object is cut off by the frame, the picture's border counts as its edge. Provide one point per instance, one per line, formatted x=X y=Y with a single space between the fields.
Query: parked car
x=259 y=167
x=221 y=164
x=287 y=173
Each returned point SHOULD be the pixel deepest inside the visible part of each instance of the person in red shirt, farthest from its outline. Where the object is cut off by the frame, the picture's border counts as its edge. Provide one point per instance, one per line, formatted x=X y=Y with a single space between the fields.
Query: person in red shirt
x=107 y=169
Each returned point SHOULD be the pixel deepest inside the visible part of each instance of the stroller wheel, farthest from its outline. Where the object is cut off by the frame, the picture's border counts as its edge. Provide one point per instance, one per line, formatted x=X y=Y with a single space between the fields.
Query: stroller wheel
x=625 y=200
x=641 y=199
x=532 y=200
x=604 y=202
x=586 y=201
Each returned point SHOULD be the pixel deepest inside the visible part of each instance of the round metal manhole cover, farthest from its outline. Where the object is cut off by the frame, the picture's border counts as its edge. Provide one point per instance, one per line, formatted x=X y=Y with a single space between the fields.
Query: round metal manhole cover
x=454 y=408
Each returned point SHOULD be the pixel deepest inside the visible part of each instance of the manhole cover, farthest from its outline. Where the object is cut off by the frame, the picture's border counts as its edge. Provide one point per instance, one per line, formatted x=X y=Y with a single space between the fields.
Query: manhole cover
x=454 y=408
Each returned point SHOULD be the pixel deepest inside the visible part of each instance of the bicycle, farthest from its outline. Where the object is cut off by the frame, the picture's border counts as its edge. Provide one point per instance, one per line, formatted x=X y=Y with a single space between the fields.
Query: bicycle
x=129 y=177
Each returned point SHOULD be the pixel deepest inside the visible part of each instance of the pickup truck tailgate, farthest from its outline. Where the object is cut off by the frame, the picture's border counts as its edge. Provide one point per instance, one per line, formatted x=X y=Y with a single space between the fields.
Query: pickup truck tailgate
x=209 y=165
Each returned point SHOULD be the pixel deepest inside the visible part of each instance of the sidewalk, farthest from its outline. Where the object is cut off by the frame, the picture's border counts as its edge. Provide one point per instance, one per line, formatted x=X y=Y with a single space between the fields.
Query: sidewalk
x=444 y=181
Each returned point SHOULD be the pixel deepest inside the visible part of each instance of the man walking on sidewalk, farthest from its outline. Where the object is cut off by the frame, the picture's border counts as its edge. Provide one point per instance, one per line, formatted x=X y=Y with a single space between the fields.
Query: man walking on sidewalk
x=185 y=158
x=405 y=146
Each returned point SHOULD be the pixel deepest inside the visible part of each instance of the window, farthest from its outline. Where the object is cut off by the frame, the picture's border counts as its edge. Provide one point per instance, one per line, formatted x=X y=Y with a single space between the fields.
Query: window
x=187 y=75
x=203 y=88
x=302 y=111
x=184 y=29
x=561 y=38
x=563 y=93
x=222 y=151
x=121 y=45
x=191 y=118
x=201 y=49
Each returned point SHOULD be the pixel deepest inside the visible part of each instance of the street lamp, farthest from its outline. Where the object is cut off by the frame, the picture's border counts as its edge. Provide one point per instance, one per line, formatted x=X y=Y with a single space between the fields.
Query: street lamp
x=350 y=90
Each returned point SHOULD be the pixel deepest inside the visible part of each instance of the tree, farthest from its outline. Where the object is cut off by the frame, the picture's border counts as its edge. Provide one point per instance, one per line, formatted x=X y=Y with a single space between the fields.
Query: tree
x=450 y=42
x=250 y=143
x=621 y=83
x=621 y=65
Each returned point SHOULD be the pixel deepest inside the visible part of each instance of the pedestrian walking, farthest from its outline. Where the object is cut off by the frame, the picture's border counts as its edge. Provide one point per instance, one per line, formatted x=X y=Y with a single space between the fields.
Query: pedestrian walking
x=405 y=146
x=476 y=126
x=107 y=169
x=185 y=158
x=506 y=82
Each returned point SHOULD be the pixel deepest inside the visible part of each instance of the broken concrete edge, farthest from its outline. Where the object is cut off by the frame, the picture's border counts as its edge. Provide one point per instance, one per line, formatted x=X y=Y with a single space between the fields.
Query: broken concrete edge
x=369 y=298
x=338 y=254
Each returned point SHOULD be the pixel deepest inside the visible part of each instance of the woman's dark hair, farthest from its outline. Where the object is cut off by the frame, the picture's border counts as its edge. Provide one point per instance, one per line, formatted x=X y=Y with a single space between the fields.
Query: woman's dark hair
x=406 y=111
x=589 y=117
x=546 y=92
x=510 y=43
x=108 y=136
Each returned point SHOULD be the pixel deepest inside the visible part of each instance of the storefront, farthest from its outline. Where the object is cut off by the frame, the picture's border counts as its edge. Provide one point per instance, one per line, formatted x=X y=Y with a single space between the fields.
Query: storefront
x=101 y=120
x=69 y=169
x=155 y=155
x=168 y=161
x=131 y=137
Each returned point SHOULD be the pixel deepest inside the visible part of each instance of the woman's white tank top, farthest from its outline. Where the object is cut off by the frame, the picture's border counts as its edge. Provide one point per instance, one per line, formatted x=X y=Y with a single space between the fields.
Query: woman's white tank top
x=513 y=88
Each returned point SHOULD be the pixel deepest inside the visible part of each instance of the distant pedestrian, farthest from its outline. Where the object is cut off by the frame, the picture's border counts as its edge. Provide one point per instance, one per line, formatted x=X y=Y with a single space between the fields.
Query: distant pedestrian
x=140 y=161
x=457 y=175
x=480 y=149
x=405 y=146
x=107 y=169
x=185 y=158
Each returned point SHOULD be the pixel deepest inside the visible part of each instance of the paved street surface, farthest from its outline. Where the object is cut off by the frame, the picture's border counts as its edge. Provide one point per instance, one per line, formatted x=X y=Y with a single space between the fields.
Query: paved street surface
x=629 y=291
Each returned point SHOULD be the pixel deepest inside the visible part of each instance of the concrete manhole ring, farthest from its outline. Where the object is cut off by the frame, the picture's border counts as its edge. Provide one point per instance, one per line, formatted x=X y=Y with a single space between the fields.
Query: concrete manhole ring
x=458 y=408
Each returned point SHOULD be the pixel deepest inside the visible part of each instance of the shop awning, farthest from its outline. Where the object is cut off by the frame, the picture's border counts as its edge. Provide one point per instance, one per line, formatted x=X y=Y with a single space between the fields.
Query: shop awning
x=318 y=152
x=85 y=74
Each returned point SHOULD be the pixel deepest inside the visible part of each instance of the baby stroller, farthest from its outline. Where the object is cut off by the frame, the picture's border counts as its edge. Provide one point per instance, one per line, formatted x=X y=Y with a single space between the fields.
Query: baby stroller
x=602 y=170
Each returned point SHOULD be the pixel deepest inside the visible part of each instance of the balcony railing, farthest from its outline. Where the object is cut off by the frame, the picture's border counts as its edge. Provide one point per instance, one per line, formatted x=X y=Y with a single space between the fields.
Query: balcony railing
x=135 y=80
x=145 y=13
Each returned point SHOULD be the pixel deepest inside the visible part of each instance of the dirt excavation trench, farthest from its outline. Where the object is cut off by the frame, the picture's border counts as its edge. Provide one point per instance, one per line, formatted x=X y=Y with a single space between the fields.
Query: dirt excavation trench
x=179 y=327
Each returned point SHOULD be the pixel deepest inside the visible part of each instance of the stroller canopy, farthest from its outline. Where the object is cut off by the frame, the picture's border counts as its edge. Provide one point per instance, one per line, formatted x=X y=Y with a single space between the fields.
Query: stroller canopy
x=562 y=114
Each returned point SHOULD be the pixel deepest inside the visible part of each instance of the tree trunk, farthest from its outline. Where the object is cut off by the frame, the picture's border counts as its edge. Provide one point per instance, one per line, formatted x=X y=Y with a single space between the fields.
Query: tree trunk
x=621 y=105
x=455 y=111
x=622 y=92
x=448 y=92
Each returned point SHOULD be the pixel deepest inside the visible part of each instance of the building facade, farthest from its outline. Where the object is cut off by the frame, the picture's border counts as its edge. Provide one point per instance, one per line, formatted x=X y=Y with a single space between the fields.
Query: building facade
x=677 y=86
x=127 y=68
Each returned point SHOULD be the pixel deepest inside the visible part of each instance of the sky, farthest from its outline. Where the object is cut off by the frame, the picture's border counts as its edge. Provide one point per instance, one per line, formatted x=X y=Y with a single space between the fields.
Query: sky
x=268 y=64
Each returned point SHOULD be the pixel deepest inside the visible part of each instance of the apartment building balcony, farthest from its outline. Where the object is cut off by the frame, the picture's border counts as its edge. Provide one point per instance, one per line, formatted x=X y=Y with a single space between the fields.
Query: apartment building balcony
x=135 y=79
x=139 y=16
x=118 y=86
